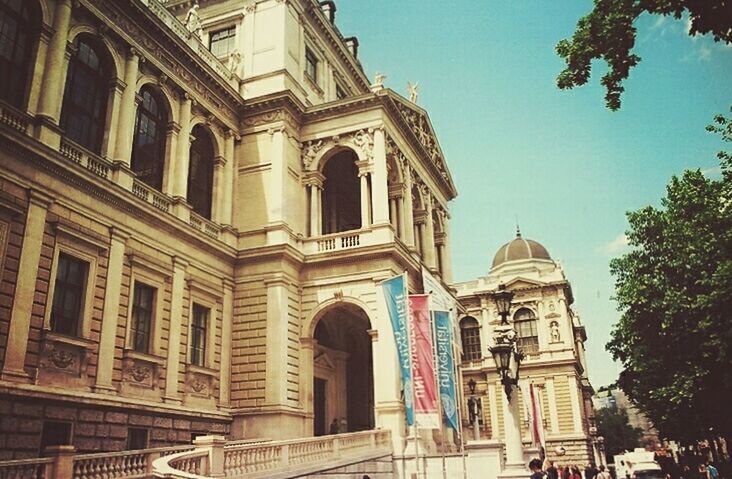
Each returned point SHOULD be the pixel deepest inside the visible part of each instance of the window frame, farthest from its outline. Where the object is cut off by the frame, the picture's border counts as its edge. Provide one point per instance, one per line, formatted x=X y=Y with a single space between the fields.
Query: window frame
x=129 y=446
x=74 y=247
x=194 y=186
x=49 y=422
x=161 y=121
x=104 y=84
x=136 y=318
x=533 y=324
x=26 y=68
x=229 y=28
x=155 y=280
x=477 y=335
x=202 y=297
x=312 y=60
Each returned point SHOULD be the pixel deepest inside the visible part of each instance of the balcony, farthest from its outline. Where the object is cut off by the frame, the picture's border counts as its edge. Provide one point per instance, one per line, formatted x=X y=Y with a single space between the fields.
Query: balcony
x=175 y=25
x=347 y=240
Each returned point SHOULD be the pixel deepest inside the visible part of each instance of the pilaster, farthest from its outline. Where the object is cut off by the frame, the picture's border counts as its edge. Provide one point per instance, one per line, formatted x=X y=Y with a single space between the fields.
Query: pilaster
x=110 y=313
x=179 y=169
x=25 y=288
x=275 y=393
x=176 y=319
x=379 y=180
x=123 y=145
x=226 y=323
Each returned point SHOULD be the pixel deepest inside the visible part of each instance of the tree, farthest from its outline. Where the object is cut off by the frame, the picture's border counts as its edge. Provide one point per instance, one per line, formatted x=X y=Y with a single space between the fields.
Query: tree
x=674 y=292
x=608 y=33
x=612 y=424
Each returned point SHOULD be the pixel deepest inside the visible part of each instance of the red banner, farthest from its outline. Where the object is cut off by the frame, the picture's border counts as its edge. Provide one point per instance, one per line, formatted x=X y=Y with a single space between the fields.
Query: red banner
x=423 y=365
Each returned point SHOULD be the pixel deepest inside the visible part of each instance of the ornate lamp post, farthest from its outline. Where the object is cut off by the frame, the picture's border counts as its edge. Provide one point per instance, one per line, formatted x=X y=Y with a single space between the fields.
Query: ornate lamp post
x=508 y=360
x=473 y=409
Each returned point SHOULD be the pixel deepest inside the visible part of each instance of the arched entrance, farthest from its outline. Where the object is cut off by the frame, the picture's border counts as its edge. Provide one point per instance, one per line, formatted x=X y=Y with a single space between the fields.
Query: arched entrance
x=343 y=379
x=342 y=194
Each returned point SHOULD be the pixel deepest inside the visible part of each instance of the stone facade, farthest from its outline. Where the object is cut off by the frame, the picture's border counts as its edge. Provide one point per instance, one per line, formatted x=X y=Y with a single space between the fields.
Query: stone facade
x=551 y=336
x=213 y=267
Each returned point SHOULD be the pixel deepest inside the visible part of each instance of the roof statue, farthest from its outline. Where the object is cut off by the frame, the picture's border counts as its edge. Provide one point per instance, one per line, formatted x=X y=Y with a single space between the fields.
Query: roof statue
x=193 y=21
x=413 y=91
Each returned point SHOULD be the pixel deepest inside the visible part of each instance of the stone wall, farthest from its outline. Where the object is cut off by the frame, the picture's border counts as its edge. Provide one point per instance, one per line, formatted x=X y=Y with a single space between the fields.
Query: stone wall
x=93 y=428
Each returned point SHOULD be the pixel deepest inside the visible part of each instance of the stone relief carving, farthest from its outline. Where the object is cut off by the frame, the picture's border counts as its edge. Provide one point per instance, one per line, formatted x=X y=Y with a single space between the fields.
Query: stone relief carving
x=419 y=125
x=60 y=358
x=554 y=328
x=138 y=374
x=362 y=139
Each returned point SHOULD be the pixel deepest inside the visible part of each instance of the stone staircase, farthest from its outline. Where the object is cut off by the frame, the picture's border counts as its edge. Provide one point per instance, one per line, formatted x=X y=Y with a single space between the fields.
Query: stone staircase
x=378 y=468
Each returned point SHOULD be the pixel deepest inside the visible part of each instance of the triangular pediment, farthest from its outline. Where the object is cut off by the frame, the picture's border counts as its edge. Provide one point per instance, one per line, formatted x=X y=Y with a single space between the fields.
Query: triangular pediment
x=421 y=128
x=323 y=360
x=518 y=283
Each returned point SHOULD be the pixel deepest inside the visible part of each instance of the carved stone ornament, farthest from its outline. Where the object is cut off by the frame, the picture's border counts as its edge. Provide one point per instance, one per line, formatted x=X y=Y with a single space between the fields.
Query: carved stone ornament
x=363 y=140
x=198 y=384
x=420 y=126
x=139 y=374
x=58 y=357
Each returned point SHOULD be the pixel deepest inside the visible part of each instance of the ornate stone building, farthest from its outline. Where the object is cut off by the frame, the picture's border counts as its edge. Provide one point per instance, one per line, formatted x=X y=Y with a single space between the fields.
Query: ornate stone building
x=196 y=207
x=550 y=335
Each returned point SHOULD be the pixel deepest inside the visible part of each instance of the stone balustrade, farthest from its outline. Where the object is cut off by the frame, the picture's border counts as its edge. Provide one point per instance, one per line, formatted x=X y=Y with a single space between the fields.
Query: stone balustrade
x=260 y=460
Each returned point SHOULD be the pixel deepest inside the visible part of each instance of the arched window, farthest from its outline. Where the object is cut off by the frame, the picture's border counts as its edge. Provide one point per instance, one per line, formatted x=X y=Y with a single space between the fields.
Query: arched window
x=526 y=329
x=470 y=336
x=200 y=172
x=148 y=148
x=18 y=27
x=342 y=195
x=83 y=116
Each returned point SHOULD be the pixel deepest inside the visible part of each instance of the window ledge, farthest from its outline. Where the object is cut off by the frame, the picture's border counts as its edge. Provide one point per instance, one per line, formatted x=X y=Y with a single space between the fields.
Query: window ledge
x=145 y=357
x=313 y=84
x=192 y=368
x=55 y=337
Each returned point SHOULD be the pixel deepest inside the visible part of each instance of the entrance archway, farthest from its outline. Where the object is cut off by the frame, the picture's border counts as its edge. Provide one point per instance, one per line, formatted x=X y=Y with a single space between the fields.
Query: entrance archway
x=343 y=379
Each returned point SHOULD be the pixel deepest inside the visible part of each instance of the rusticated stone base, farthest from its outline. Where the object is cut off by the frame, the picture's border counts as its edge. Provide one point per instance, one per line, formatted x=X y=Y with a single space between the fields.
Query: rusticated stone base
x=93 y=428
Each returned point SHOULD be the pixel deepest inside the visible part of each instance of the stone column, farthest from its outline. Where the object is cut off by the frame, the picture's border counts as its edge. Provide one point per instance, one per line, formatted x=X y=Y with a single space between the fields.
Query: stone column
x=226 y=324
x=314 y=181
x=363 y=175
x=512 y=437
x=446 y=253
x=319 y=209
x=229 y=173
x=393 y=214
x=171 y=158
x=180 y=168
x=110 y=313
x=176 y=319
x=307 y=348
x=428 y=240
x=380 y=195
x=217 y=200
x=49 y=107
x=25 y=288
x=126 y=125
x=408 y=215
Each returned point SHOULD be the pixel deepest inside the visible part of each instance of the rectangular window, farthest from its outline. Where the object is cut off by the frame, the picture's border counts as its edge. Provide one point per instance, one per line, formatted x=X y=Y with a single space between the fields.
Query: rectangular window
x=471 y=343
x=221 y=42
x=55 y=433
x=340 y=93
x=311 y=65
x=136 y=438
x=68 y=294
x=142 y=316
x=198 y=334
x=528 y=337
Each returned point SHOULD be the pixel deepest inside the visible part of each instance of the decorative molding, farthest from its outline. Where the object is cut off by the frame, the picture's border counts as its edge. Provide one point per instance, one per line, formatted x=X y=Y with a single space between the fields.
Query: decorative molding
x=361 y=140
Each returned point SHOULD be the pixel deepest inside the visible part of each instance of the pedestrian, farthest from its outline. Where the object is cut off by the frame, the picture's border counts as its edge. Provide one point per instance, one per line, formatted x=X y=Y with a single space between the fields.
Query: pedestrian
x=551 y=471
x=712 y=471
x=590 y=471
x=576 y=472
x=334 y=426
x=566 y=473
x=535 y=466
x=603 y=474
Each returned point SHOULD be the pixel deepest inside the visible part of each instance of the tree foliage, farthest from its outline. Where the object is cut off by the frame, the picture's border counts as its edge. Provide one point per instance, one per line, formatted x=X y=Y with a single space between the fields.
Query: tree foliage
x=608 y=33
x=612 y=424
x=674 y=290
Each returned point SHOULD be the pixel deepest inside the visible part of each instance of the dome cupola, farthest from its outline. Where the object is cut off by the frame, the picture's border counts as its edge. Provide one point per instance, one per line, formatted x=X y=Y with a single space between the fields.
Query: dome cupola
x=520 y=249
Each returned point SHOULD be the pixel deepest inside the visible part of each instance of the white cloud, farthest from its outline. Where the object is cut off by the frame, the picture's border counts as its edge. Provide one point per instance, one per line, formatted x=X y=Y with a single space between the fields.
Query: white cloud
x=616 y=245
x=712 y=171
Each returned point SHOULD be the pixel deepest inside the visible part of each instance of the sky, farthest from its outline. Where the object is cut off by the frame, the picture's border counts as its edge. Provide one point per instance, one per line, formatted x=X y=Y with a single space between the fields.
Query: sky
x=557 y=161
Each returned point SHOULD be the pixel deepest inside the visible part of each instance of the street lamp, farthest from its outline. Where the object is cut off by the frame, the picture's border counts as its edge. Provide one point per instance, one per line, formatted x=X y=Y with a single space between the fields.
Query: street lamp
x=508 y=361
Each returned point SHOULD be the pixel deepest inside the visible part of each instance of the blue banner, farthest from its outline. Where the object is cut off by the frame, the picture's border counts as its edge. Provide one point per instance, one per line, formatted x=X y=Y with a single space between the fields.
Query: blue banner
x=395 y=293
x=445 y=369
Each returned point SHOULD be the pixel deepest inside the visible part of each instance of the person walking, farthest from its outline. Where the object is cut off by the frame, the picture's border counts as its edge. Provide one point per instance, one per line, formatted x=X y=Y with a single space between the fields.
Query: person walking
x=603 y=474
x=535 y=466
x=590 y=471
x=551 y=471
x=712 y=471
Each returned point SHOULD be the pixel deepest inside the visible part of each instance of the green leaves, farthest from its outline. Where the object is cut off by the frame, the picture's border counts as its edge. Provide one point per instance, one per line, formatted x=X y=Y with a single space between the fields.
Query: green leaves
x=674 y=292
x=608 y=33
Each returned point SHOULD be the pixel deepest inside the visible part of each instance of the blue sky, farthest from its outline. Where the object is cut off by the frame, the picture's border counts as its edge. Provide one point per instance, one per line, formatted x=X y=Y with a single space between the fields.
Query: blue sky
x=559 y=161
